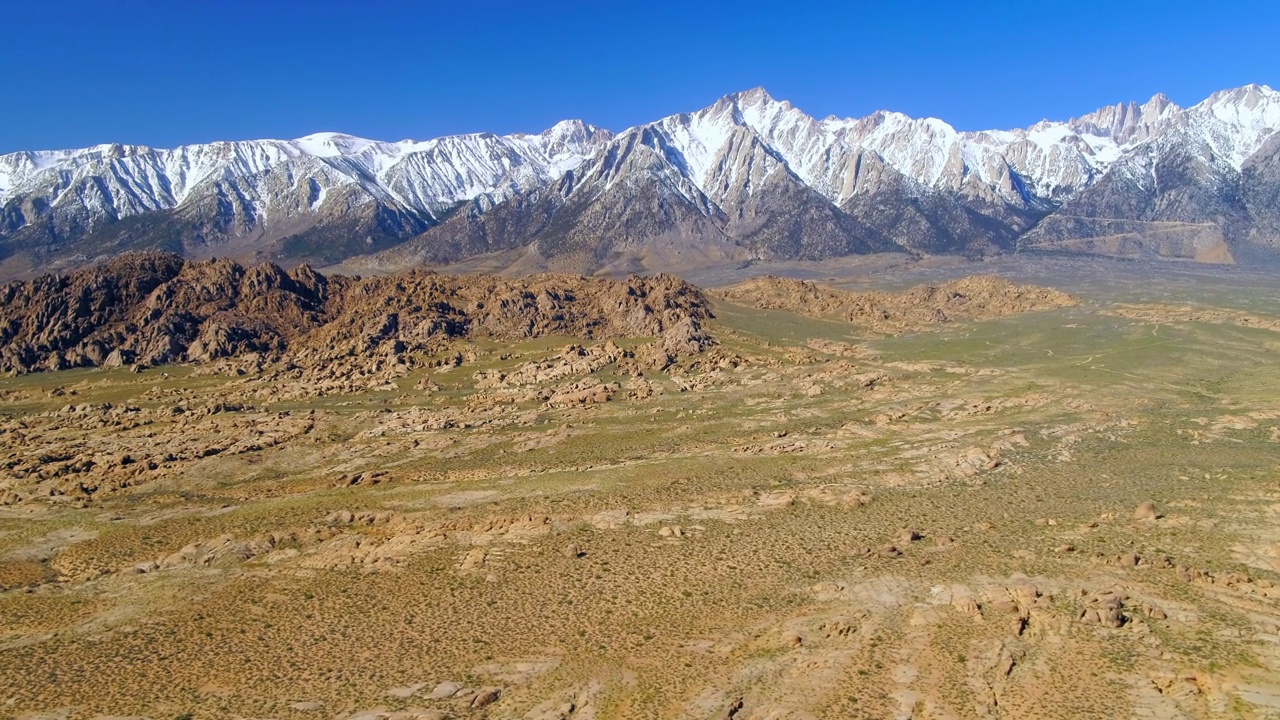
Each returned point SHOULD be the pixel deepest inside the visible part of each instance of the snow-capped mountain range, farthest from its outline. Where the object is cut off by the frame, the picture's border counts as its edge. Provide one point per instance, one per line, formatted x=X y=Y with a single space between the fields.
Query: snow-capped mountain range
x=747 y=177
x=275 y=182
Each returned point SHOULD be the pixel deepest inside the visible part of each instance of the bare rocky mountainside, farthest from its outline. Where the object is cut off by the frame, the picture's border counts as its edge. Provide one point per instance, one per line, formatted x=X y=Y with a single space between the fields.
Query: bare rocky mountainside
x=748 y=178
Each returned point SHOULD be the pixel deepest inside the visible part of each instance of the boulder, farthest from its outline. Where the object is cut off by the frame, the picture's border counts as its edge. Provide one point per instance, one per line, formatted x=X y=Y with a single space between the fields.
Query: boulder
x=445 y=690
x=1146 y=511
x=484 y=698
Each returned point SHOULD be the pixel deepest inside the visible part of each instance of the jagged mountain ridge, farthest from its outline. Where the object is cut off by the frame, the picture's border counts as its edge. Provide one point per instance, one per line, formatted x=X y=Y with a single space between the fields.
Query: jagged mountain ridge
x=882 y=182
x=748 y=177
x=257 y=197
x=1198 y=187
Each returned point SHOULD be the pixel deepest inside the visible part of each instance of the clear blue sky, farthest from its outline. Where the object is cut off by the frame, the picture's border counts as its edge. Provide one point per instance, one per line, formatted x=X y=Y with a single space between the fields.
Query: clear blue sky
x=170 y=72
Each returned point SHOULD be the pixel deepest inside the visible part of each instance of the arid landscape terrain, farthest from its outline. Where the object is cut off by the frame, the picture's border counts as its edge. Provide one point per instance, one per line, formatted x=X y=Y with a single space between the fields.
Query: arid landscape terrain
x=639 y=361
x=945 y=494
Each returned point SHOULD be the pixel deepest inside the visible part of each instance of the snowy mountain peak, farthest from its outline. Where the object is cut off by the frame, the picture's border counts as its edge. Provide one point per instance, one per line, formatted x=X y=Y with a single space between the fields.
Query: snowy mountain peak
x=567 y=144
x=577 y=134
x=755 y=108
x=1126 y=123
x=331 y=144
x=1248 y=96
x=757 y=95
x=570 y=128
x=1236 y=123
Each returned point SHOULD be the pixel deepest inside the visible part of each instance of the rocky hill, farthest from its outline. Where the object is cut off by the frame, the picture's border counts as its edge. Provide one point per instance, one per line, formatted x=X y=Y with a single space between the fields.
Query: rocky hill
x=154 y=308
x=970 y=298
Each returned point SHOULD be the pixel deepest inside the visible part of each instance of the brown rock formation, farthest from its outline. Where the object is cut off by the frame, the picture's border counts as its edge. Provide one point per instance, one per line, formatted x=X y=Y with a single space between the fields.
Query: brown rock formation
x=155 y=308
x=970 y=298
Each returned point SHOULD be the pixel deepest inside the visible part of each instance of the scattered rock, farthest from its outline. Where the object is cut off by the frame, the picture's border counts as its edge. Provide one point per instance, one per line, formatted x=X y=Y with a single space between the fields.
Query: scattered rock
x=777 y=500
x=1126 y=560
x=889 y=551
x=967 y=604
x=1146 y=511
x=445 y=690
x=1105 y=608
x=405 y=691
x=484 y=698
x=906 y=536
x=474 y=558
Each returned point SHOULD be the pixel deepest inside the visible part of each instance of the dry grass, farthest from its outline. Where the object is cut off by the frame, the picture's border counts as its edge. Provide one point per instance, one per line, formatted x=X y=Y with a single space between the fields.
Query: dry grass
x=716 y=534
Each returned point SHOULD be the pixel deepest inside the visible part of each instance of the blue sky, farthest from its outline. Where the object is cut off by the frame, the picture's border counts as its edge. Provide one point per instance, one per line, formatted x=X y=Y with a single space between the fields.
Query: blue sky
x=170 y=72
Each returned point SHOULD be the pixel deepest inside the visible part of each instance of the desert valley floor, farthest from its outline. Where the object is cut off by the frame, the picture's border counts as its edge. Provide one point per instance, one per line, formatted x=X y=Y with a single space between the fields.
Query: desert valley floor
x=1055 y=504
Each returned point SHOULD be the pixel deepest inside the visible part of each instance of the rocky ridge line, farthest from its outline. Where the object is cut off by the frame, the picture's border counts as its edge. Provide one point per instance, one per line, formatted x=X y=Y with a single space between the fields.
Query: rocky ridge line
x=147 y=309
x=971 y=298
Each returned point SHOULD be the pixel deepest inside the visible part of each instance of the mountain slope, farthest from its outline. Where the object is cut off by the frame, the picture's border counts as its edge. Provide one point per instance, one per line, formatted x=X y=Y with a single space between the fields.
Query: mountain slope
x=1182 y=192
x=323 y=197
x=1260 y=193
